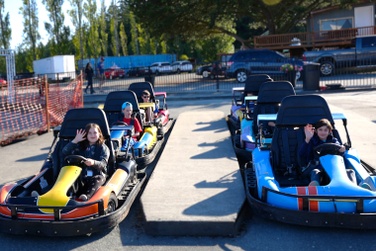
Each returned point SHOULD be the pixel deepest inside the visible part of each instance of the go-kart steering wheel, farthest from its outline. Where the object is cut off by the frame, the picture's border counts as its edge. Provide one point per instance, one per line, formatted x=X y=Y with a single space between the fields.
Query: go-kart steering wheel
x=77 y=160
x=327 y=148
x=120 y=123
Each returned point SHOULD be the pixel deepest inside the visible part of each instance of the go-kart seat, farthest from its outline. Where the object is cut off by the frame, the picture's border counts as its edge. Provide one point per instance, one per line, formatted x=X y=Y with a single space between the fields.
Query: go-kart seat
x=269 y=100
x=295 y=112
x=113 y=103
x=76 y=119
x=139 y=87
x=254 y=82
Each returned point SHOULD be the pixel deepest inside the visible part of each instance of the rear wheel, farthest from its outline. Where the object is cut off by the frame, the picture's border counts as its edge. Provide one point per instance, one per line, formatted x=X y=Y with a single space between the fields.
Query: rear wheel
x=326 y=68
x=112 y=203
x=205 y=74
x=241 y=76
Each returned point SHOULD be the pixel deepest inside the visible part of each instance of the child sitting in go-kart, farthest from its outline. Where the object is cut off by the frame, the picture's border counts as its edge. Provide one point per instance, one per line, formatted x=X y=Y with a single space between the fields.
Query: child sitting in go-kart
x=89 y=143
x=315 y=136
x=150 y=112
x=127 y=110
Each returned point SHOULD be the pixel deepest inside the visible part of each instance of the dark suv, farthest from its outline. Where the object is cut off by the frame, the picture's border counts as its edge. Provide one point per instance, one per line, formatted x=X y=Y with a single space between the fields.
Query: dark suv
x=258 y=61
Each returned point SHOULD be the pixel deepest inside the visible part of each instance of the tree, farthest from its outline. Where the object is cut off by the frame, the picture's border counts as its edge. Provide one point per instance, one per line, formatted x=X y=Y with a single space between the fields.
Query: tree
x=94 y=44
x=103 y=31
x=123 y=39
x=76 y=13
x=5 y=30
x=31 y=36
x=194 y=19
x=114 y=27
x=56 y=27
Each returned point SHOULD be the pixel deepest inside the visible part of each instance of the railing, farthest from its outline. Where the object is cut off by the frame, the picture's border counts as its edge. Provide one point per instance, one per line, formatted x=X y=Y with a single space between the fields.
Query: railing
x=191 y=83
x=309 y=40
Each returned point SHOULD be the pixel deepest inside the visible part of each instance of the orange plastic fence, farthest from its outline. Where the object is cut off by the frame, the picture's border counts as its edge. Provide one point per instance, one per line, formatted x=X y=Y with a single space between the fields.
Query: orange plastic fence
x=33 y=106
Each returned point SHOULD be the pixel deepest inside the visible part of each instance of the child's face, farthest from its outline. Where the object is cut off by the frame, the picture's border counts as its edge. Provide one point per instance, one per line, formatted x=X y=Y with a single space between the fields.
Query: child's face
x=93 y=135
x=145 y=98
x=323 y=132
x=127 y=111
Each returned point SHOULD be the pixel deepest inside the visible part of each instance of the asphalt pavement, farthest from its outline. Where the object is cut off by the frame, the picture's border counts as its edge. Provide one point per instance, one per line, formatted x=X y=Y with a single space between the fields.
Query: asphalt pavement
x=24 y=158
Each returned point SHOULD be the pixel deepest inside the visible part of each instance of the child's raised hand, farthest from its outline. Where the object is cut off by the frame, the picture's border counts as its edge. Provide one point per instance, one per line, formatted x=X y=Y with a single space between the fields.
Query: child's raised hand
x=309 y=130
x=80 y=136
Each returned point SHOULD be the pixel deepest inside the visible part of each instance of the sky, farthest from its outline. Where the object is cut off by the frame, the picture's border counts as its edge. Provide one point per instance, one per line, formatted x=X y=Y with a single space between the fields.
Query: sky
x=16 y=19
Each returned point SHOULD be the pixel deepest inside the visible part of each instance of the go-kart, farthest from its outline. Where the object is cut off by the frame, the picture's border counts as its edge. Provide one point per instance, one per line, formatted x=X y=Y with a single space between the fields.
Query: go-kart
x=277 y=182
x=238 y=105
x=47 y=203
x=259 y=115
x=152 y=137
x=158 y=100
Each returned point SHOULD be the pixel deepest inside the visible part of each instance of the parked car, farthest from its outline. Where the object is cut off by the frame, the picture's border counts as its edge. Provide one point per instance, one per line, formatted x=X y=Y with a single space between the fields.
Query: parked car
x=362 y=56
x=137 y=72
x=182 y=66
x=203 y=70
x=3 y=82
x=207 y=70
x=114 y=72
x=161 y=68
x=258 y=61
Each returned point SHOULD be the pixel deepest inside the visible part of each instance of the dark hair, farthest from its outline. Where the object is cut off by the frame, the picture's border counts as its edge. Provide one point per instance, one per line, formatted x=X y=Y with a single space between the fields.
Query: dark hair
x=324 y=122
x=145 y=92
x=87 y=65
x=84 y=144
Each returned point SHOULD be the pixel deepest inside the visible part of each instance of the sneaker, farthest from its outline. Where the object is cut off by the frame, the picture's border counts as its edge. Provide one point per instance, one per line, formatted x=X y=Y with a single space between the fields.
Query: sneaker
x=314 y=183
x=86 y=91
x=92 y=92
x=83 y=197
x=34 y=193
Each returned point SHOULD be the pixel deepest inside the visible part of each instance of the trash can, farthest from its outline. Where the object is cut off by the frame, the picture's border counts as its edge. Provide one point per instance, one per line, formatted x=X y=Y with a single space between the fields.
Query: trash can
x=311 y=76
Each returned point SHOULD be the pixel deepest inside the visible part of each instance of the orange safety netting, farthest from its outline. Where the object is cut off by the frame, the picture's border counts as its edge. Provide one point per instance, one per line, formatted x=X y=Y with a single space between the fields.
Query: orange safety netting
x=33 y=106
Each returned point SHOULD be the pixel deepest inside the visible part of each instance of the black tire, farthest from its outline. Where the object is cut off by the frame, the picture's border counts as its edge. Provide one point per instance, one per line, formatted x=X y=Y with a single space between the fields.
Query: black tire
x=326 y=68
x=112 y=203
x=241 y=76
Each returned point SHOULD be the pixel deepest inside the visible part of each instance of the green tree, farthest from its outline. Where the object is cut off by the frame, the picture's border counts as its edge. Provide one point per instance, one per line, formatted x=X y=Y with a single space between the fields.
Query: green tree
x=123 y=39
x=31 y=36
x=76 y=14
x=205 y=17
x=5 y=30
x=94 y=44
x=103 y=31
x=114 y=12
x=55 y=28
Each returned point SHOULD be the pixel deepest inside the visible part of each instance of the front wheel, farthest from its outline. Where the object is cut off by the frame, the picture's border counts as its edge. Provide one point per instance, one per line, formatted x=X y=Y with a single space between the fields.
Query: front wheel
x=298 y=75
x=205 y=74
x=241 y=76
x=112 y=203
x=326 y=68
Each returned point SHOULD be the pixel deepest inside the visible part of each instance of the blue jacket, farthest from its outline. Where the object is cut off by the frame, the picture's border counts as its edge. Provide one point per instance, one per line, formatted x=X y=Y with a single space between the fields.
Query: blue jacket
x=306 y=153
